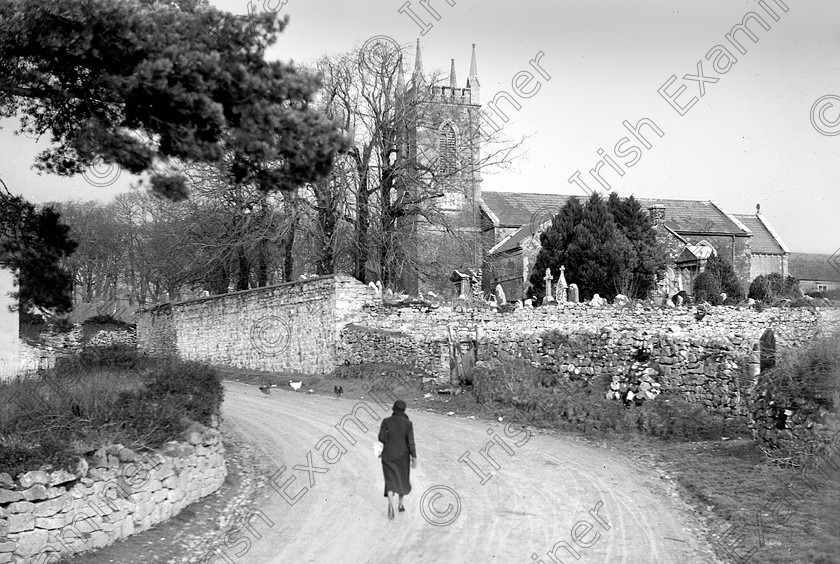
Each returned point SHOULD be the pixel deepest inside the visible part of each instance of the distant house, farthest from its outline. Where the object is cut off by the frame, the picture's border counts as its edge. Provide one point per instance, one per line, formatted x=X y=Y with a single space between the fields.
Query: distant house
x=815 y=272
x=768 y=252
x=691 y=231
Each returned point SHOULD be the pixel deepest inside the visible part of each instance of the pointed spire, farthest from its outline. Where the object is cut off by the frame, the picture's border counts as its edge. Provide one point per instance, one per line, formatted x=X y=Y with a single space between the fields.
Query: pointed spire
x=472 y=81
x=400 y=76
x=418 y=60
x=473 y=64
x=453 y=82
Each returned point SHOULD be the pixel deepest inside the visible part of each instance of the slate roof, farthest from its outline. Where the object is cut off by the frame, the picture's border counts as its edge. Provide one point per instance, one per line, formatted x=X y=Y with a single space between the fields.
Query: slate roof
x=763 y=241
x=518 y=208
x=530 y=210
x=811 y=266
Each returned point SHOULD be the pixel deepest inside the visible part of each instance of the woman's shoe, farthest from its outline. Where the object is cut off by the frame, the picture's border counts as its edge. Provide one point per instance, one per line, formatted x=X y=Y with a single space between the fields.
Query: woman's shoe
x=402 y=508
x=390 y=511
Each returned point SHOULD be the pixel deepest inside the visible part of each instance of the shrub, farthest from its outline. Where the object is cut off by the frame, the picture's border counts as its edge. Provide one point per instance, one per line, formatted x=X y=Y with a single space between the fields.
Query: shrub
x=726 y=278
x=196 y=388
x=120 y=357
x=17 y=459
x=770 y=288
x=707 y=288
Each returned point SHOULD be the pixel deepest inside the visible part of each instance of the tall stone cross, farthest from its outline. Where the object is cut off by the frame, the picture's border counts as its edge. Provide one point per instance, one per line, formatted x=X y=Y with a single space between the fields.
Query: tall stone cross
x=549 y=297
x=562 y=287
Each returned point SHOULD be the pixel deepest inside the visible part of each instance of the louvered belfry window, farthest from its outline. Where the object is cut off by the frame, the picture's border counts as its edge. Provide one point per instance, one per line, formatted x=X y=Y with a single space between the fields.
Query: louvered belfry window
x=448 y=151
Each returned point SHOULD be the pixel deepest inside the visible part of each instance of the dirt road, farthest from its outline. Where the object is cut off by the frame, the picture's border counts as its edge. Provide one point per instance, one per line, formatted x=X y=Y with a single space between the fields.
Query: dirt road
x=545 y=491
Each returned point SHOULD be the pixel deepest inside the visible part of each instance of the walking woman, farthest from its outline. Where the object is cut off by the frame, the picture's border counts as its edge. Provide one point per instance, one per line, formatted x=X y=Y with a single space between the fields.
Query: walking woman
x=397 y=436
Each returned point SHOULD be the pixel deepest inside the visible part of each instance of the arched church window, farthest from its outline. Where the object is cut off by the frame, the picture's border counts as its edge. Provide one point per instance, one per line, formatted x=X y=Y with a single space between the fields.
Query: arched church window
x=448 y=150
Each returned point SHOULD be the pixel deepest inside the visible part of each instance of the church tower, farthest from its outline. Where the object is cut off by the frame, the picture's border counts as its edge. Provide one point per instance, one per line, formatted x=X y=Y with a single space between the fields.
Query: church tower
x=443 y=146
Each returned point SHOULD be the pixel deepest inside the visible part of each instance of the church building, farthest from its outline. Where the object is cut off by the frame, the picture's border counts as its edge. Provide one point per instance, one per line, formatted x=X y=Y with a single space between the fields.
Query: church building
x=497 y=233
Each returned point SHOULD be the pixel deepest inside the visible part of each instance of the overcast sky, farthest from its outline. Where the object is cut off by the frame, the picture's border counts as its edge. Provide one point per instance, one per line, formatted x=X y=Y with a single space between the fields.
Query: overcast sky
x=751 y=139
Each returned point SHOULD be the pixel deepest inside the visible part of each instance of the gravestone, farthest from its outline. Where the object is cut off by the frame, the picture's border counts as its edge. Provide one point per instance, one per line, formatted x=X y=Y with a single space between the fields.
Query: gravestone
x=562 y=287
x=501 y=299
x=574 y=294
x=598 y=301
x=549 y=297
x=767 y=348
x=461 y=282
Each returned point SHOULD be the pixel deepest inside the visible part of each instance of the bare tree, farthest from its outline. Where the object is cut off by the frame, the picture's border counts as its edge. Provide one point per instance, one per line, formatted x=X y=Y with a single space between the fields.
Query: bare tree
x=395 y=181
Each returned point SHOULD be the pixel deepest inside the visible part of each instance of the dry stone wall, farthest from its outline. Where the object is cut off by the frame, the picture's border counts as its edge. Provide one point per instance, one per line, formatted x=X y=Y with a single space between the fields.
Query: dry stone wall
x=712 y=362
x=42 y=354
x=47 y=516
x=292 y=327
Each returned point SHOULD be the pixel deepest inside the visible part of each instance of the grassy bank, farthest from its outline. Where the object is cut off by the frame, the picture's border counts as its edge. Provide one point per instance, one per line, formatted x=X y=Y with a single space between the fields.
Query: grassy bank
x=102 y=396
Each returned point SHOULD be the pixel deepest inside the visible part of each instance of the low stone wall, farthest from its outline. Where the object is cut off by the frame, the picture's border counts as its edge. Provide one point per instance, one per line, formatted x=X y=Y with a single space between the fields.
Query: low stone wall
x=361 y=345
x=48 y=515
x=794 y=325
x=712 y=362
x=42 y=353
x=284 y=328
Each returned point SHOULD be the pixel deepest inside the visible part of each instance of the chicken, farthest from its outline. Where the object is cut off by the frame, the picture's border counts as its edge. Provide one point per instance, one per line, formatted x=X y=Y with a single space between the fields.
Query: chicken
x=295 y=385
x=338 y=391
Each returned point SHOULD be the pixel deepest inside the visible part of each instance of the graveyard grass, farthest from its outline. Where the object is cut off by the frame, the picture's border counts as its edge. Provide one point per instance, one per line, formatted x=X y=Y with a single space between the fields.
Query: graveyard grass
x=718 y=469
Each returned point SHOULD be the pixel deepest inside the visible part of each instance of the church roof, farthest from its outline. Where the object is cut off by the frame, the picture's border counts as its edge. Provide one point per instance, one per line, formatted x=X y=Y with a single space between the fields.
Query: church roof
x=812 y=266
x=528 y=210
x=764 y=241
x=515 y=209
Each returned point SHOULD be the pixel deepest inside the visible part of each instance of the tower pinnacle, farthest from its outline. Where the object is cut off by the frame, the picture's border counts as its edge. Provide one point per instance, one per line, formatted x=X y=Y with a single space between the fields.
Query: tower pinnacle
x=418 y=64
x=472 y=80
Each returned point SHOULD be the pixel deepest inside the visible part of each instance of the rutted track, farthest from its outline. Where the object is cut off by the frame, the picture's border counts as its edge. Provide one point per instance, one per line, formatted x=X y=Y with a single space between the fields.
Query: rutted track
x=537 y=497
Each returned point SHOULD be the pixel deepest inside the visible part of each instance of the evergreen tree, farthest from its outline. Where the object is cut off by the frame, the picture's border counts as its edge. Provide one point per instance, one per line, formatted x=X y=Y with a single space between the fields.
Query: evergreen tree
x=635 y=223
x=138 y=84
x=32 y=243
x=596 y=250
x=725 y=276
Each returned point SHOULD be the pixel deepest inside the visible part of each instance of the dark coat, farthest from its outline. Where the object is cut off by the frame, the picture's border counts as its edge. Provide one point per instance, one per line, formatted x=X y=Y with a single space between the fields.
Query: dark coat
x=397 y=435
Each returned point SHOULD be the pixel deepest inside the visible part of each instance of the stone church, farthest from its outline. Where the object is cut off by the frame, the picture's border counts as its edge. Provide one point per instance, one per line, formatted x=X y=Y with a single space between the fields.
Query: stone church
x=497 y=233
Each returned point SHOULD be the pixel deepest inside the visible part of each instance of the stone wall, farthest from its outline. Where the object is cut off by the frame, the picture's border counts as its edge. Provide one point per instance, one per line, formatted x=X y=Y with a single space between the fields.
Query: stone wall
x=284 y=328
x=41 y=353
x=46 y=515
x=712 y=361
x=781 y=417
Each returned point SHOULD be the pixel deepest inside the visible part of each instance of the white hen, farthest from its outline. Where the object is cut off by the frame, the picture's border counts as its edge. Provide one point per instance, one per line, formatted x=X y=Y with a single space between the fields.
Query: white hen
x=295 y=385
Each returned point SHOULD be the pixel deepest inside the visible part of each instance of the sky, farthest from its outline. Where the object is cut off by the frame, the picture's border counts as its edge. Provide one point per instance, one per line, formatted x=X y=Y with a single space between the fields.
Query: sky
x=763 y=131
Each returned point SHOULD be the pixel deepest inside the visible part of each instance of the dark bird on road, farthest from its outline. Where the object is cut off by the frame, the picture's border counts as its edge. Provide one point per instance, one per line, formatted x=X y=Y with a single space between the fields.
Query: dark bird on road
x=338 y=391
